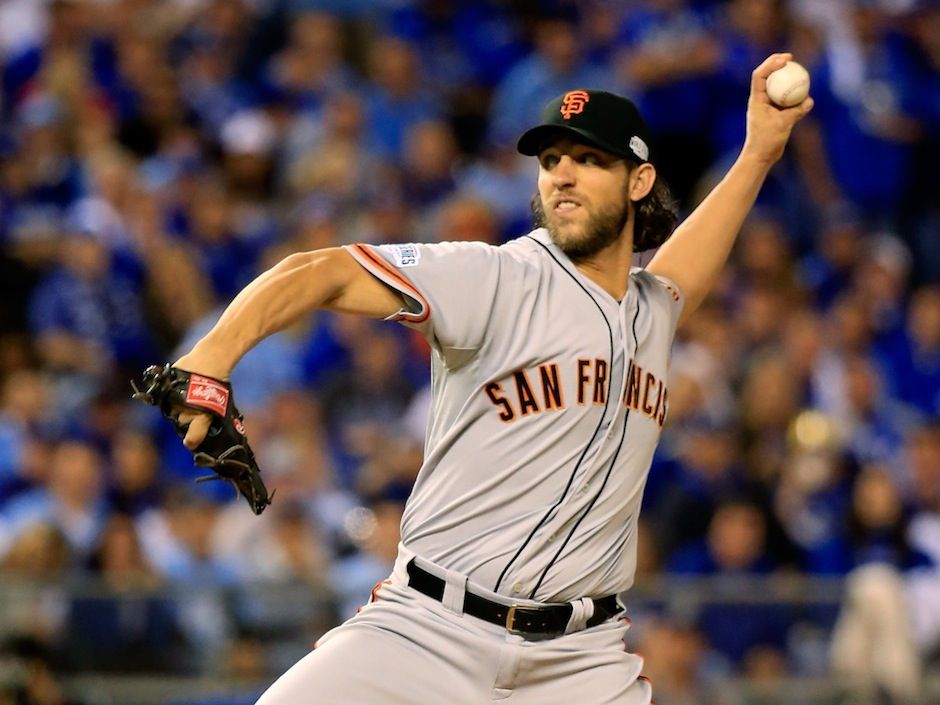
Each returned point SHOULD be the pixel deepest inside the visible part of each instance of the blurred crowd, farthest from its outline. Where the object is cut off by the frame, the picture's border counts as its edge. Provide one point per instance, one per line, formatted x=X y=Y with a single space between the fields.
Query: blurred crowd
x=156 y=155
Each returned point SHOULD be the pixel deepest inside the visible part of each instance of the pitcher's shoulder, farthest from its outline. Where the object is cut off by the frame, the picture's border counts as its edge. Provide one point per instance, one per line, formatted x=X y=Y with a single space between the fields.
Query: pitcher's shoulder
x=530 y=248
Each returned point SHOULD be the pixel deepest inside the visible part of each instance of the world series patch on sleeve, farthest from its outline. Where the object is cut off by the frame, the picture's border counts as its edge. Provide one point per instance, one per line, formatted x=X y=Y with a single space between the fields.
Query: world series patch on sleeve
x=225 y=448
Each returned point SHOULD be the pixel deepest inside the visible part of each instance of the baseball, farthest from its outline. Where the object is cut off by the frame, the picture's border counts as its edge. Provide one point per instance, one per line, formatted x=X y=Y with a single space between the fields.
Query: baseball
x=788 y=86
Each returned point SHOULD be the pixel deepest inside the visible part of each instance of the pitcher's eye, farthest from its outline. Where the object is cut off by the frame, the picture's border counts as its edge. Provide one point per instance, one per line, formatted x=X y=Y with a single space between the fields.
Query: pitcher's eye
x=549 y=160
x=590 y=158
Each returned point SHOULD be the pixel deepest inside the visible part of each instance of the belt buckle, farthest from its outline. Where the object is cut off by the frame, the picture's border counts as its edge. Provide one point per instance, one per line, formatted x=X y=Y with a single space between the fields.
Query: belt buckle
x=511 y=619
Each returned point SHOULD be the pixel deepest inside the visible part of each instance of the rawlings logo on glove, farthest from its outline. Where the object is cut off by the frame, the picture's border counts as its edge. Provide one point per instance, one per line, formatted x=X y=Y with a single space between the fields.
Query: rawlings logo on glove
x=225 y=448
x=206 y=393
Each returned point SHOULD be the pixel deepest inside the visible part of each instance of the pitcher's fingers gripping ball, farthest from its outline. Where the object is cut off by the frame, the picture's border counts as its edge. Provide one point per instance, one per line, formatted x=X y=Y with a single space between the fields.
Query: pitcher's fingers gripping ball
x=225 y=447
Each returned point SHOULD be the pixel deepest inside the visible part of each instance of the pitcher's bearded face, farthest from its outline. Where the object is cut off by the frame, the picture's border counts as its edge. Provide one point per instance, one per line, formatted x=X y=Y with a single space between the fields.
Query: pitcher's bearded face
x=582 y=198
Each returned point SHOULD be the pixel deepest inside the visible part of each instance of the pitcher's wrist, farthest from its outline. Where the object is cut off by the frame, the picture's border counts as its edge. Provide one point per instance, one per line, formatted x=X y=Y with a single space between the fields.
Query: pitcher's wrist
x=208 y=357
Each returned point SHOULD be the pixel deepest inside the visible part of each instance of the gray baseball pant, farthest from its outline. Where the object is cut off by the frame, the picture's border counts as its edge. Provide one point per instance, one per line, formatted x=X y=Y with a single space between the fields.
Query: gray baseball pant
x=405 y=648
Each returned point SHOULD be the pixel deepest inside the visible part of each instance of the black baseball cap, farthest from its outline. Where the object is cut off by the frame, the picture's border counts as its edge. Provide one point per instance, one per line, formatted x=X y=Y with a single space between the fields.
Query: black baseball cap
x=603 y=119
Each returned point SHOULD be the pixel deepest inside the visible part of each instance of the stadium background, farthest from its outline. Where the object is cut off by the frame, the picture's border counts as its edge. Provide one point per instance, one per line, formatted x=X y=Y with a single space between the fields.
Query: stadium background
x=157 y=155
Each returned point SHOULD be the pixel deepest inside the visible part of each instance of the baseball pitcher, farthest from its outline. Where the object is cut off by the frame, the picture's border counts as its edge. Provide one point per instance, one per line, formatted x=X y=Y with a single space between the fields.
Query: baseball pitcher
x=550 y=371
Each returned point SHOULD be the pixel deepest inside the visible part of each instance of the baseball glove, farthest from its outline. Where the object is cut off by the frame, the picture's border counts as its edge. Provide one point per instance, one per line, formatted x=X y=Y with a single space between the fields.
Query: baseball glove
x=225 y=448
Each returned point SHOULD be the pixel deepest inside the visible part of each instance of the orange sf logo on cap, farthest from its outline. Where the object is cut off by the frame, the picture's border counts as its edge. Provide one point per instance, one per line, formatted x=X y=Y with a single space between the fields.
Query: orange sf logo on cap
x=573 y=103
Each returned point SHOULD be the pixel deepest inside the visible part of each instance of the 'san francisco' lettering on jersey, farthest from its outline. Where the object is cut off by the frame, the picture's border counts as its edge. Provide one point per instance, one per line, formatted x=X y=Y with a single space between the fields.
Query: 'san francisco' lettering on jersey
x=537 y=390
x=547 y=400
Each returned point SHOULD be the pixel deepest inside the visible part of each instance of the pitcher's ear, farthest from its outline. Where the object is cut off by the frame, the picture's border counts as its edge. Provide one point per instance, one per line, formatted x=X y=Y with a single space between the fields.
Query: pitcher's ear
x=640 y=181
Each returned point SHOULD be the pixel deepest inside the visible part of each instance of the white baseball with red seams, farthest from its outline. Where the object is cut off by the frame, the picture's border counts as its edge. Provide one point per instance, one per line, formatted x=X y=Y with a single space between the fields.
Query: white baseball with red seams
x=548 y=397
x=788 y=86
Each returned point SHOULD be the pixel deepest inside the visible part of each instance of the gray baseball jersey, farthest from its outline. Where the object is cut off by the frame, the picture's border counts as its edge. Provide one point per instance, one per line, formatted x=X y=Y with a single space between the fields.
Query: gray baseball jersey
x=548 y=397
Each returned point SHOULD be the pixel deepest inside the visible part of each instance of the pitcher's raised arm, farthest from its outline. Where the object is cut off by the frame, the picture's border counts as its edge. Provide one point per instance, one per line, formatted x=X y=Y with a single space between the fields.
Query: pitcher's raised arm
x=697 y=251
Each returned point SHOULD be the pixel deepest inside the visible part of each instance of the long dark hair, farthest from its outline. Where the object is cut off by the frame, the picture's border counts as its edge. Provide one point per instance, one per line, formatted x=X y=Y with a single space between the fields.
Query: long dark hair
x=655 y=215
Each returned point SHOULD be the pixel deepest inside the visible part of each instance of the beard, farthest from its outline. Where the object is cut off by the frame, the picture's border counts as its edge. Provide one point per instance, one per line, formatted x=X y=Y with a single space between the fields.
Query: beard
x=602 y=229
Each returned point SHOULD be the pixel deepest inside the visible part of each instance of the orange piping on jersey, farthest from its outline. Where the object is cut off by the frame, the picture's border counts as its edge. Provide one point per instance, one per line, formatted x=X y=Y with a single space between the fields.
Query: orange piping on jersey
x=399 y=278
x=374 y=596
x=675 y=294
x=375 y=590
x=649 y=682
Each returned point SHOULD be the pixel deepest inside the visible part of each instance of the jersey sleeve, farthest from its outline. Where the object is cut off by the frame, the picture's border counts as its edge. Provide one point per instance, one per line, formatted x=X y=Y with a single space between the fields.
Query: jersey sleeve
x=449 y=287
x=665 y=295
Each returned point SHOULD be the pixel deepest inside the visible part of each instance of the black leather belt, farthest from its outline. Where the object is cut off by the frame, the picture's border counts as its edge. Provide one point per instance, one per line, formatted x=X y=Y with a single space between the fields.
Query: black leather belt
x=548 y=620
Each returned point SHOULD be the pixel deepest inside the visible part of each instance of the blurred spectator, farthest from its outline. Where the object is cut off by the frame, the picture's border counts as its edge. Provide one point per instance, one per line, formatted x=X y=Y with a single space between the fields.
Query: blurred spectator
x=464 y=217
x=867 y=108
x=669 y=54
x=87 y=313
x=764 y=255
x=208 y=224
x=311 y=67
x=881 y=280
x=922 y=476
x=874 y=425
x=249 y=141
x=24 y=408
x=812 y=497
x=802 y=343
x=504 y=180
x=135 y=485
x=878 y=524
x=706 y=470
x=40 y=685
x=284 y=549
x=464 y=45
x=827 y=270
x=331 y=155
x=673 y=655
x=429 y=153
x=760 y=309
x=873 y=652
x=769 y=399
x=912 y=359
x=71 y=500
x=35 y=592
x=295 y=454
x=363 y=407
x=752 y=29
x=50 y=174
x=297 y=553
x=704 y=360
x=555 y=66
x=736 y=545
x=176 y=539
x=849 y=333
x=397 y=97
x=375 y=530
x=890 y=610
x=150 y=103
x=130 y=627
x=923 y=599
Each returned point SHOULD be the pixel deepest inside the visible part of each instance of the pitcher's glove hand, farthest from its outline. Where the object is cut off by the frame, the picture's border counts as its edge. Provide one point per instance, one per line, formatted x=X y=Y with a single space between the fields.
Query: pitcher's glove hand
x=225 y=448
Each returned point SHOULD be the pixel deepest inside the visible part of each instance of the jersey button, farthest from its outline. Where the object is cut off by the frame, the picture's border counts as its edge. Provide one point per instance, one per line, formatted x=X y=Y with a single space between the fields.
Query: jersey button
x=517 y=587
